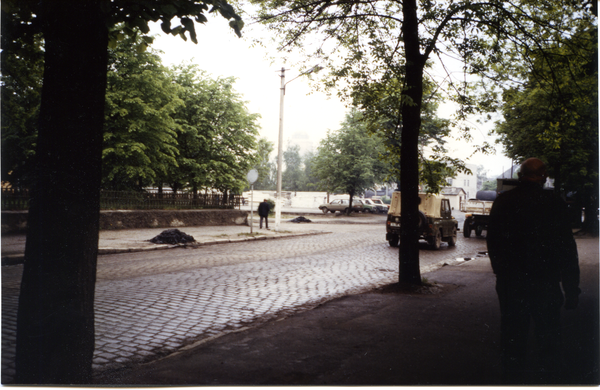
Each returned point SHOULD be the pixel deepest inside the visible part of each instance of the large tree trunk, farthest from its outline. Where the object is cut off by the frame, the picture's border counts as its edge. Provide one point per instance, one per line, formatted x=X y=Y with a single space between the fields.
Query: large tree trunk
x=410 y=273
x=55 y=322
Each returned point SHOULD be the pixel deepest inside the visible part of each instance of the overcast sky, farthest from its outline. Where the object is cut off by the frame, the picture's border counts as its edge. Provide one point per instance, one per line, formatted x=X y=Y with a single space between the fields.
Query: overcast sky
x=222 y=54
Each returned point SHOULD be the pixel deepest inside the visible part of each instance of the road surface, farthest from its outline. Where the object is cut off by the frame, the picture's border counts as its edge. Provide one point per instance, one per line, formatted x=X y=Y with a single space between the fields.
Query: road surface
x=152 y=304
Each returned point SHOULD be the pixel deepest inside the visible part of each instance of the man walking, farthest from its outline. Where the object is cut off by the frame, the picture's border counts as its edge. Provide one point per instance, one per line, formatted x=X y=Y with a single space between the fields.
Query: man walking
x=263 y=212
x=533 y=253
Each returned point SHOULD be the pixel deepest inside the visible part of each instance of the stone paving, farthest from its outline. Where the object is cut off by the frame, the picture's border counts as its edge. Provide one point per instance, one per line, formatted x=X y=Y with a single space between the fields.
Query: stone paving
x=156 y=303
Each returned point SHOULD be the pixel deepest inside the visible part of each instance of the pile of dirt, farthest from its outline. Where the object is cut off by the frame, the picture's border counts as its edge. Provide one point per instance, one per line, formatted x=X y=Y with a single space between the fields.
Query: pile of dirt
x=172 y=236
x=300 y=220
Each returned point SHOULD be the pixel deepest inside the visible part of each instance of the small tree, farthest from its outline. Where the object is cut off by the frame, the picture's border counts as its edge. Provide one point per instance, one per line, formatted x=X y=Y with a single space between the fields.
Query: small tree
x=311 y=181
x=348 y=160
x=293 y=177
x=264 y=166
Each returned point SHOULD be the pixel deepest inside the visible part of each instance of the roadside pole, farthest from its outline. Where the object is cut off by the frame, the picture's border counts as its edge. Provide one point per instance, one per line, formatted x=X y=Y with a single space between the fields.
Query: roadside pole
x=252 y=176
x=251 y=207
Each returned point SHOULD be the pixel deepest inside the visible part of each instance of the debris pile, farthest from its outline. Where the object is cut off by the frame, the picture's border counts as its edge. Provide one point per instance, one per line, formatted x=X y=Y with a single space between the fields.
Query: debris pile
x=300 y=220
x=172 y=236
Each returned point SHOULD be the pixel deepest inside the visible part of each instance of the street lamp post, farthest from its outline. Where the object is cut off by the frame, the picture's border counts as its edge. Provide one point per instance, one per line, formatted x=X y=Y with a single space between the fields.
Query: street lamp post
x=279 y=201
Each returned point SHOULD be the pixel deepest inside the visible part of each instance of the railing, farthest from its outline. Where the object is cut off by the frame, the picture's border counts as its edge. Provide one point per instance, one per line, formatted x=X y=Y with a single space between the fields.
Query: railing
x=13 y=199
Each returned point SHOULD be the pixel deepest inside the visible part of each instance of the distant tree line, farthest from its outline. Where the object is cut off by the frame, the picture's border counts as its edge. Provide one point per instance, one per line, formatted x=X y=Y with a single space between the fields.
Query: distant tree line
x=349 y=160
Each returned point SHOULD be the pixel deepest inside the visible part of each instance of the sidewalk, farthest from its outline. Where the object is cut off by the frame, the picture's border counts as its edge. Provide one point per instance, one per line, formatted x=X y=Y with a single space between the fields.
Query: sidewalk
x=137 y=240
x=447 y=336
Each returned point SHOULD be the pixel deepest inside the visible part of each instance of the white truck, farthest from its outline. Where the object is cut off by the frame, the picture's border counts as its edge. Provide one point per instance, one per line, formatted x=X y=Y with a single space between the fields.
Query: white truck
x=478 y=210
x=436 y=223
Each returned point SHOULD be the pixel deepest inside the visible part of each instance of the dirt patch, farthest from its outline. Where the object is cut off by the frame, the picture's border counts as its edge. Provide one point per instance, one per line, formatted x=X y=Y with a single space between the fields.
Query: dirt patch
x=424 y=289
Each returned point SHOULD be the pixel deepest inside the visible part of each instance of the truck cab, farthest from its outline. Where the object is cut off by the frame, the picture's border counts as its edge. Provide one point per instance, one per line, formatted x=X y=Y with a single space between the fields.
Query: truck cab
x=436 y=223
x=478 y=210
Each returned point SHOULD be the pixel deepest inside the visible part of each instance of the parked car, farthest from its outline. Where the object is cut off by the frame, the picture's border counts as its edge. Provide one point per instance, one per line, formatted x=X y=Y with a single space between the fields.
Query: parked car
x=364 y=205
x=377 y=206
x=436 y=223
x=341 y=205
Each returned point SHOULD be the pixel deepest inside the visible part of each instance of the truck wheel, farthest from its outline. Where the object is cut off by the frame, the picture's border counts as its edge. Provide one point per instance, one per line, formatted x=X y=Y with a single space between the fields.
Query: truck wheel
x=436 y=241
x=478 y=230
x=453 y=237
x=467 y=230
x=324 y=210
x=422 y=221
x=394 y=241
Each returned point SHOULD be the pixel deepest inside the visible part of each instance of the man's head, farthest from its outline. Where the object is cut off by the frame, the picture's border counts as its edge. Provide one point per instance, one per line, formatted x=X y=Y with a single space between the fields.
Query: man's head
x=533 y=170
x=264 y=200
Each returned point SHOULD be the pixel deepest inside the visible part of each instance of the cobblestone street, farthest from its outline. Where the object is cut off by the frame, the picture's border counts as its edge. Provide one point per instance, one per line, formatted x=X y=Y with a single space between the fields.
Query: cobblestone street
x=155 y=303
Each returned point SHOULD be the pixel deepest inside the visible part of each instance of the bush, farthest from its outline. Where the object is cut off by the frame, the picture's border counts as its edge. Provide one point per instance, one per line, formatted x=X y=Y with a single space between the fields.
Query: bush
x=271 y=203
x=386 y=199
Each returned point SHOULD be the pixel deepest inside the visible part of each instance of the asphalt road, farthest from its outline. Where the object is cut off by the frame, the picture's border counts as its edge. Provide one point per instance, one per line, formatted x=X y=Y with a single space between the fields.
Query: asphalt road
x=152 y=304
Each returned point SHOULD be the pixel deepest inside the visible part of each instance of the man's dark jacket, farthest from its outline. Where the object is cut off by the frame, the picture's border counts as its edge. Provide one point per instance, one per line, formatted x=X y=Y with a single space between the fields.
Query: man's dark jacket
x=531 y=245
x=263 y=209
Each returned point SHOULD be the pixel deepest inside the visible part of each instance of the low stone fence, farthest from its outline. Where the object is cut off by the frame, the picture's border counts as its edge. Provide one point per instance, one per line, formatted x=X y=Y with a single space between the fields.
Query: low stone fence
x=16 y=221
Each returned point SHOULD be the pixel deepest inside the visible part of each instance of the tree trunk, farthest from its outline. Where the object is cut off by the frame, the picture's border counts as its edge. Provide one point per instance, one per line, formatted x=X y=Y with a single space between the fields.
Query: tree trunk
x=55 y=321
x=410 y=273
x=224 y=200
x=351 y=193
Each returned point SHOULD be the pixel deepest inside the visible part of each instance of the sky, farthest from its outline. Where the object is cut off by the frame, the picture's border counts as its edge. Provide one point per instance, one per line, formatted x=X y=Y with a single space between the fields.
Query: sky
x=257 y=71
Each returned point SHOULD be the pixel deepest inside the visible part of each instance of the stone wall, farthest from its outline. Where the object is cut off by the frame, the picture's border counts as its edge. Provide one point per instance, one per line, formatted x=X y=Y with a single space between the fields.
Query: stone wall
x=16 y=221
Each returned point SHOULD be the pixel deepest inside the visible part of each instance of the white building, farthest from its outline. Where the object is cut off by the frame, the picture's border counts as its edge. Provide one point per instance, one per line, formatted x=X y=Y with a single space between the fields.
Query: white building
x=456 y=196
x=468 y=182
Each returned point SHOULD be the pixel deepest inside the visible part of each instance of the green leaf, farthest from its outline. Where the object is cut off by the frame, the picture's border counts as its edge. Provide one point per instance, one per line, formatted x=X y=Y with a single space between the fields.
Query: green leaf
x=189 y=26
x=201 y=18
x=166 y=26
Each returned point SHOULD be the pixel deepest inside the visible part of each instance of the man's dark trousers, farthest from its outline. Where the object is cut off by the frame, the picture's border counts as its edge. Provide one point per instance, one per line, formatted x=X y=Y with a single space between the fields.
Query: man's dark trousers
x=266 y=218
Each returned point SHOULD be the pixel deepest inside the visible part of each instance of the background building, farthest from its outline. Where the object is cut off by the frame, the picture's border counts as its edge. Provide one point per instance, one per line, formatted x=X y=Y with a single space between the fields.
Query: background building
x=468 y=182
x=302 y=140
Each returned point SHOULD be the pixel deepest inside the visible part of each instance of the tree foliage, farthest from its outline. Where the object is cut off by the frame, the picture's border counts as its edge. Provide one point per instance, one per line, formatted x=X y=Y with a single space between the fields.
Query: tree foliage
x=311 y=180
x=554 y=116
x=55 y=320
x=140 y=133
x=21 y=94
x=163 y=126
x=267 y=170
x=292 y=177
x=217 y=136
x=380 y=103
x=348 y=159
x=380 y=40
x=23 y=22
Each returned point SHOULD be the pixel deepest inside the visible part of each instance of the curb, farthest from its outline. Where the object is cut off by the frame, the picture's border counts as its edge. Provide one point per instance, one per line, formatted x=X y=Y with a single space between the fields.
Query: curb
x=18 y=258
